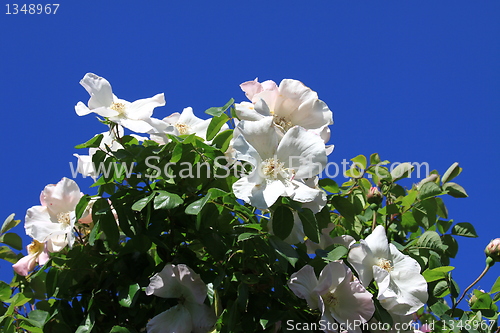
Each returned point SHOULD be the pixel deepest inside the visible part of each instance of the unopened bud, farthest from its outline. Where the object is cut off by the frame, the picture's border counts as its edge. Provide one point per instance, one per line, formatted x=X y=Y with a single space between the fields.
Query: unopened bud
x=493 y=249
x=374 y=196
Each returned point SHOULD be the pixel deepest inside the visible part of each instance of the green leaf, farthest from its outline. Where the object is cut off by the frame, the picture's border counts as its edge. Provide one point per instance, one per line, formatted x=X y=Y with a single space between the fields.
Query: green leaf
x=5 y=291
x=374 y=159
x=360 y=160
x=87 y=326
x=13 y=240
x=167 y=200
x=496 y=286
x=403 y=170
x=464 y=229
x=223 y=139
x=9 y=223
x=119 y=329
x=127 y=296
x=103 y=215
x=336 y=253
x=431 y=240
x=441 y=289
x=310 y=224
x=436 y=274
x=429 y=190
x=344 y=207
x=247 y=235
x=329 y=185
x=195 y=207
x=453 y=171
x=140 y=204
x=284 y=249
x=7 y=254
x=38 y=318
x=92 y=143
x=217 y=111
x=282 y=221
x=455 y=190
x=215 y=125
x=81 y=206
x=439 y=308
x=483 y=302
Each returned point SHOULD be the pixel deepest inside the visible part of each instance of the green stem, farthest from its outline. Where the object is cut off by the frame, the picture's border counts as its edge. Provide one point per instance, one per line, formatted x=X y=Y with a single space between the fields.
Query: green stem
x=489 y=263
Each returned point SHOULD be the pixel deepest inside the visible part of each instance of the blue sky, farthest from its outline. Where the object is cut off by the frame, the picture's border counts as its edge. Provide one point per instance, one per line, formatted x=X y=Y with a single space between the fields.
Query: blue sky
x=412 y=80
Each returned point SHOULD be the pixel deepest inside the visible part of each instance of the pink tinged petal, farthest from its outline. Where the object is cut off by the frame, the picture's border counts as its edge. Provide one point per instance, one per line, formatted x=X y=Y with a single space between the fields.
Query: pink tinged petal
x=62 y=197
x=269 y=94
x=303 y=152
x=377 y=242
x=312 y=114
x=177 y=319
x=43 y=256
x=251 y=88
x=99 y=89
x=303 y=284
x=165 y=284
x=194 y=288
x=261 y=135
x=25 y=264
x=246 y=111
x=361 y=258
x=202 y=316
x=143 y=108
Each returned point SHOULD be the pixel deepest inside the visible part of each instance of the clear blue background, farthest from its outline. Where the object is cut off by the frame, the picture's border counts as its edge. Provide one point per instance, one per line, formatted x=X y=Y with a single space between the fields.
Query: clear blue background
x=412 y=80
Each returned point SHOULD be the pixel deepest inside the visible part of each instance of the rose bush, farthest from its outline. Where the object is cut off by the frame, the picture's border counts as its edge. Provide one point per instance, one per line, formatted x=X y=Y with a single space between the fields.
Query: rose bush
x=223 y=225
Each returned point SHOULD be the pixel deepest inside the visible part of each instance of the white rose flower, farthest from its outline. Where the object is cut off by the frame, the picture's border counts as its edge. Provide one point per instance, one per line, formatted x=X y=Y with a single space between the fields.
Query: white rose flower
x=402 y=289
x=134 y=116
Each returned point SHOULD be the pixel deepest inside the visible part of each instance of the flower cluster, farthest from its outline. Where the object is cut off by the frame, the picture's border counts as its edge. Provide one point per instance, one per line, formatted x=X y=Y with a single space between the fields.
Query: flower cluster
x=402 y=290
x=279 y=145
x=51 y=224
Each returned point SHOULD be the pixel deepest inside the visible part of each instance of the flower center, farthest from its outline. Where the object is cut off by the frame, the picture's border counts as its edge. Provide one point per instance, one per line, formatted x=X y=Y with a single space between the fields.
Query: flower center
x=64 y=218
x=282 y=122
x=330 y=299
x=272 y=167
x=118 y=107
x=35 y=247
x=385 y=264
x=182 y=128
